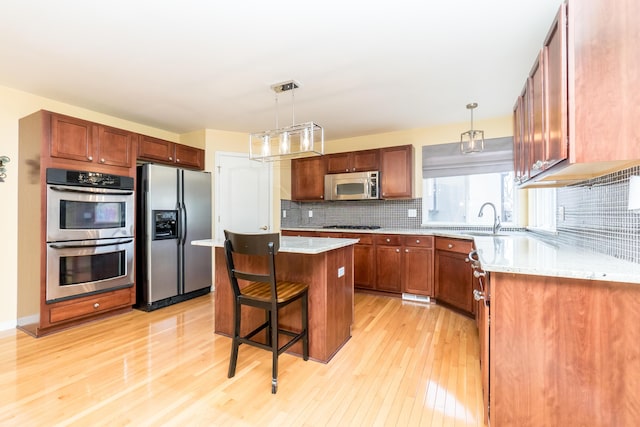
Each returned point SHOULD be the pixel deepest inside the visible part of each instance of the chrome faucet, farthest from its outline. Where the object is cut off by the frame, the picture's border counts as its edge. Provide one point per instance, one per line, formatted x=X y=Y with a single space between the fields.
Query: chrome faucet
x=496 y=218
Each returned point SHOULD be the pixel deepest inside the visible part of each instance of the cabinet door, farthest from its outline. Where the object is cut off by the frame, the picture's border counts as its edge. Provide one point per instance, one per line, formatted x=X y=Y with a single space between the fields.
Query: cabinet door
x=338 y=163
x=150 y=148
x=555 y=64
x=364 y=260
x=365 y=160
x=191 y=157
x=454 y=280
x=396 y=169
x=115 y=146
x=418 y=271
x=537 y=115
x=307 y=178
x=520 y=146
x=71 y=138
x=389 y=268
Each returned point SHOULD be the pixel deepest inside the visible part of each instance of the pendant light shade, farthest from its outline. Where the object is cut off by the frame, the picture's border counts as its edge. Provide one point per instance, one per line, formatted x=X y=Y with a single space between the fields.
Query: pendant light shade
x=472 y=141
x=297 y=140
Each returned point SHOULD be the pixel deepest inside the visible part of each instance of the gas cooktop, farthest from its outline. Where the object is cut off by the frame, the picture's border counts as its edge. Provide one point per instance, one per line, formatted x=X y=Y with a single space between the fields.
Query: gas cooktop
x=354 y=227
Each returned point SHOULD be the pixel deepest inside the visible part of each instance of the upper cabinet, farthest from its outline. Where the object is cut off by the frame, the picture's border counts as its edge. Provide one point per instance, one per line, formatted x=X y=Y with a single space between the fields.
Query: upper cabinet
x=354 y=161
x=84 y=141
x=396 y=170
x=161 y=151
x=394 y=163
x=307 y=178
x=575 y=118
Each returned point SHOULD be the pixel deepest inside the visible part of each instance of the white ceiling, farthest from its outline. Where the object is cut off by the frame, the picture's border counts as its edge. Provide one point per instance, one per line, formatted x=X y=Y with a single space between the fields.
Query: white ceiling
x=364 y=67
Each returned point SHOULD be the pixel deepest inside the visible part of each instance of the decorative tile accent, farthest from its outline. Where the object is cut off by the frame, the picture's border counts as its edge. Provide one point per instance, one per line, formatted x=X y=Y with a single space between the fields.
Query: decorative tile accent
x=383 y=213
x=596 y=216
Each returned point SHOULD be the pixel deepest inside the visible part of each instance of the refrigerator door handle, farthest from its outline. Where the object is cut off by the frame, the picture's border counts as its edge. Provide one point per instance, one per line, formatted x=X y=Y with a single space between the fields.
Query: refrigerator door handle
x=184 y=222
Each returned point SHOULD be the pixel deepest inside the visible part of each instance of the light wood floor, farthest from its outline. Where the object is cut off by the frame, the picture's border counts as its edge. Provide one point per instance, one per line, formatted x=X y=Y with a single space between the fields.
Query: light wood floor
x=406 y=364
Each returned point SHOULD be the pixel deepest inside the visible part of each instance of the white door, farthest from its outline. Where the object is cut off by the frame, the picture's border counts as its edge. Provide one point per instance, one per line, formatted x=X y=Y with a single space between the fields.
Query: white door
x=243 y=194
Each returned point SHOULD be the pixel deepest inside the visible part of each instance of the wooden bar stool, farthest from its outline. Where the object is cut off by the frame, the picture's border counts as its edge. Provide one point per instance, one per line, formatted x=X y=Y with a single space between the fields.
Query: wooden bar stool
x=263 y=290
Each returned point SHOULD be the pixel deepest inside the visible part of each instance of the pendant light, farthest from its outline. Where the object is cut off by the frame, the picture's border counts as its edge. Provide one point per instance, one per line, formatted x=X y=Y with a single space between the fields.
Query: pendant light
x=297 y=140
x=472 y=141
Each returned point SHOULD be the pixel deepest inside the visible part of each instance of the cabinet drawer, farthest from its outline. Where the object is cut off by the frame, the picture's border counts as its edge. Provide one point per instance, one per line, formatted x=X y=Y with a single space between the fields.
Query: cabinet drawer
x=72 y=309
x=419 y=241
x=388 y=239
x=454 y=245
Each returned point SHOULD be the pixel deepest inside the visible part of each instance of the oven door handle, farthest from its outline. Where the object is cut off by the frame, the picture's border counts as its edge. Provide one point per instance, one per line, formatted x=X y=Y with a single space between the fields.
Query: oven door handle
x=109 y=193
x=119 y=242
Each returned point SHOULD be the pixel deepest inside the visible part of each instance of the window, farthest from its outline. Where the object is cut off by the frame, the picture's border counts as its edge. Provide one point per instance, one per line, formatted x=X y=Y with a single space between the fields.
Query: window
x=456 y=185
x=542 y=209
x=458 y=199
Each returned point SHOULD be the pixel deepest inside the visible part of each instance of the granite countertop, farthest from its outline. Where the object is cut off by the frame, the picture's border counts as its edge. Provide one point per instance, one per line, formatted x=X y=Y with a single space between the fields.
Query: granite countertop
x=527 y=253
x=291 y=244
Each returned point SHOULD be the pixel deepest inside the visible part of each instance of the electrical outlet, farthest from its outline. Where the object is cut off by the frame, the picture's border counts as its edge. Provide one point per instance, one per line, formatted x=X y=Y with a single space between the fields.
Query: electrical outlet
x=284 y=213
x=340 y=271
x=412 y=213
x=310 y=214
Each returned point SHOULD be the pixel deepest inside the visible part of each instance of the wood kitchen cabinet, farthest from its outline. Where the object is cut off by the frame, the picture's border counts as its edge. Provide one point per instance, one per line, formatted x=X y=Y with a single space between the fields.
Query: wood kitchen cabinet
x=563 y=351
x=354 y=161
x=388 y=263
x=588 y=110
x=540 y=113
x=396 y=170
x=170 y=153
x=364 y=260
x=83 y=141
x=418 y=265
x=307 y=178
x=453 y=274
x=51 y=140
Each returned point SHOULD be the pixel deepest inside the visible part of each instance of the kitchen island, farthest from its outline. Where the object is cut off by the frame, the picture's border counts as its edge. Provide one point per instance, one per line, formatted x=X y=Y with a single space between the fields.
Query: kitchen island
x=325 y=264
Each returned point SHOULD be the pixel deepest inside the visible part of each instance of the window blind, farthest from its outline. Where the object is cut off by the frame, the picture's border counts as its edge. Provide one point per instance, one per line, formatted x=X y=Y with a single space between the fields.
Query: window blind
x=446 y=159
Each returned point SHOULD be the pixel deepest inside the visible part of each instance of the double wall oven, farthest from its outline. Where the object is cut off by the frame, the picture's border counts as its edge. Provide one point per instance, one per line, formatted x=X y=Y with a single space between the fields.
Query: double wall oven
x=90 y=240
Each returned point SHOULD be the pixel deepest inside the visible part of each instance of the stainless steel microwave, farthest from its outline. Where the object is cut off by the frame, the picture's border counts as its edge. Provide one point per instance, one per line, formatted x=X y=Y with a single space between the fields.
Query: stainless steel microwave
x=351 y=186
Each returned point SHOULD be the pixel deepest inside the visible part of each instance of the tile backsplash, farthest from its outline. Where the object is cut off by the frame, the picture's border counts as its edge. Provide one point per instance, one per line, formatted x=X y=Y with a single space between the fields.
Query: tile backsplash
x=596 y=216
x=383 y=213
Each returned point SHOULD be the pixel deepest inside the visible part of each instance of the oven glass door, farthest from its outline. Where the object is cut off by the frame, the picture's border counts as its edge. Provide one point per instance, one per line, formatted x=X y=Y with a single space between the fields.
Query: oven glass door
x=84 y=267
x=77 y=213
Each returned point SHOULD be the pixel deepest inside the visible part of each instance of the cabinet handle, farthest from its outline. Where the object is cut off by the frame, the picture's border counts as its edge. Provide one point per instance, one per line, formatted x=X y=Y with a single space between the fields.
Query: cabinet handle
x=90 y=158
x=388 y=240
x=96 y=305
x=397 y=250
x=477 y=274
x=466 y=260
x=406 y=250
x=450 y=246
x=478 y=295
x=101 y=160
x=170 y=158
x=417 y=240
x=177 y=160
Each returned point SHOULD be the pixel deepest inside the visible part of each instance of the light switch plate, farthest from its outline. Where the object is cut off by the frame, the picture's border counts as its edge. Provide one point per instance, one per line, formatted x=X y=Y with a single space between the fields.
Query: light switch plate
x=340 y=271
x=310 y=214
x=284 y=213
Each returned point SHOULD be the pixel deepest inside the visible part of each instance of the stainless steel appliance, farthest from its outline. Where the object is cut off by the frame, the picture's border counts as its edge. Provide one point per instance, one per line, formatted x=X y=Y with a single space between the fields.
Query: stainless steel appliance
x=351 y=186
x=90 y=242
x=174 y=208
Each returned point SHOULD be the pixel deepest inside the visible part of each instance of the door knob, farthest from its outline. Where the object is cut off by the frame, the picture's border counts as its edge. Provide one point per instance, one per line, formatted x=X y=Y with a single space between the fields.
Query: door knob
x=264 y=227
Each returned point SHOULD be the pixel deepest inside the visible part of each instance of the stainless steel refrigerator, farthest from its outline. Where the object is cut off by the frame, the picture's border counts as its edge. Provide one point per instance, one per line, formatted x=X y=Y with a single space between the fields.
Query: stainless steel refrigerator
x=173 y=208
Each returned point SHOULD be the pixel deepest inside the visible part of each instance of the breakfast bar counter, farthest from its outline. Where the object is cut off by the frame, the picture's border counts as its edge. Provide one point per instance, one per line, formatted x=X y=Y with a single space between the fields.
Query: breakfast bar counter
x=325 y=264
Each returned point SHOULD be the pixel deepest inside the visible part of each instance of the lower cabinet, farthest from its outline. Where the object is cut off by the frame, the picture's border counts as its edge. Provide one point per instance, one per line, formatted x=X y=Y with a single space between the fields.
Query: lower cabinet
x=418 y=265
x=91 y=306
x=453 y=275
x=388 y=263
